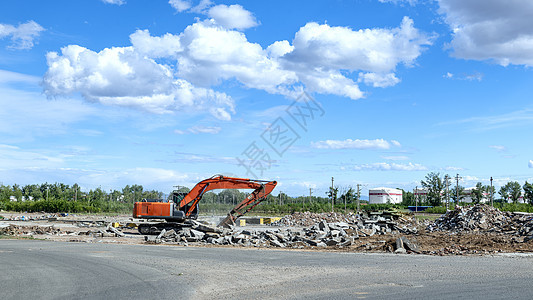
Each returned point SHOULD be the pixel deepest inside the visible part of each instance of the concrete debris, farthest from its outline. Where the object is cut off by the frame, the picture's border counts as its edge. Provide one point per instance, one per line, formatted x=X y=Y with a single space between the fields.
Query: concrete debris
x=484 y=218
x=327 y=230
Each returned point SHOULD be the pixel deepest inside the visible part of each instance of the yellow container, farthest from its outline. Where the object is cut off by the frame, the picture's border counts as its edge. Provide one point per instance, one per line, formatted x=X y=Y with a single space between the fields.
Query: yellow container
x=261 y=221
x=115 y=224
x=242 y=222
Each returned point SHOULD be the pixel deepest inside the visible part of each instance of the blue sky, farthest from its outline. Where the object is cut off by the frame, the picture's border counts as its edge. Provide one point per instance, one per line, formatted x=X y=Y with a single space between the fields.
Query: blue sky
x=162 y=93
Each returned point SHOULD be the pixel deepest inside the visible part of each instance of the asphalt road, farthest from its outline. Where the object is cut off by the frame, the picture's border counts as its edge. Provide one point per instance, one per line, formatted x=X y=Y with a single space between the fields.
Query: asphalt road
x=56 y=270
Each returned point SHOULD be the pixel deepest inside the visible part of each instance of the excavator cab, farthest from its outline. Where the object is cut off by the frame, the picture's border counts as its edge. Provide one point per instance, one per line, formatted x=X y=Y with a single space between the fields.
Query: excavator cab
x=176 y=197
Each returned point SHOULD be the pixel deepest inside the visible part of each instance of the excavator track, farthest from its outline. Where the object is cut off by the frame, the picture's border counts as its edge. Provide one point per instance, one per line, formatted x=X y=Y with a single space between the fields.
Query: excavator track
x=156 y=228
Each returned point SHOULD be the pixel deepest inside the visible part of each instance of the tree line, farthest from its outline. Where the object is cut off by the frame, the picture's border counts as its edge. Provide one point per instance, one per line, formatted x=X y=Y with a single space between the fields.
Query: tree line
x=59 y=197
x=435 y=185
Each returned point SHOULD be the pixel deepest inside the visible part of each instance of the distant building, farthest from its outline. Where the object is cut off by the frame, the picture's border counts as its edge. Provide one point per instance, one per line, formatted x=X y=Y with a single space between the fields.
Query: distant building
x=384 y=195
x=421 y=195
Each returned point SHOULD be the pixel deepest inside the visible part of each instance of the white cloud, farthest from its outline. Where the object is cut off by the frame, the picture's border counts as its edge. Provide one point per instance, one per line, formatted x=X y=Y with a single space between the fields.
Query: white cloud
x=498 y=148
x=200 y=129
x=497 y=30
x=390 y=167
x=323 y=54
x=23 y=35
x=448 y=75
x=124 y=77
x=354 y=144
x=379 y=80
x=232 y=17
x=180 y=5
x=530 y=164
x=177 y=72
x=168 y=45
x=116 y=2
x=188 y=6
x=396 y=143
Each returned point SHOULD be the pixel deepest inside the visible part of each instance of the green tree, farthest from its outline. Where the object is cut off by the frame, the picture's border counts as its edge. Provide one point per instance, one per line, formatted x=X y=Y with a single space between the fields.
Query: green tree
x=515 y=191
x=528 y=193
x=332 y=193
x=407 y=198
x=17 y=192
x=434 y=185
x=457 y=191
x=504 y=192
x=511 y=190
x=348 y=194
x=477 y=193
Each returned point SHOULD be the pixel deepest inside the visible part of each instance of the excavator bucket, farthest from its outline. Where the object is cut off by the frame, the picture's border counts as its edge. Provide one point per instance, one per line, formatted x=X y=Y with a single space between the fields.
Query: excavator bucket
x=228 y=222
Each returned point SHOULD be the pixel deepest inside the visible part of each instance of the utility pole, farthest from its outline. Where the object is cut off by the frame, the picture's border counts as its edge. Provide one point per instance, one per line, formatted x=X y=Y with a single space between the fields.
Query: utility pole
x=447 y=179
x=331 y=194
x=344 y=203
x=280 y=198
x=358 y=196
x=491 y=200
x=457 y=189
x=416 y=199
x=310 y=192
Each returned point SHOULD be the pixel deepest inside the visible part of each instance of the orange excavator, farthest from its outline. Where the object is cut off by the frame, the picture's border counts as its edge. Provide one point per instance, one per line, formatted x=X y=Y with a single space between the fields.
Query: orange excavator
x=182 y=207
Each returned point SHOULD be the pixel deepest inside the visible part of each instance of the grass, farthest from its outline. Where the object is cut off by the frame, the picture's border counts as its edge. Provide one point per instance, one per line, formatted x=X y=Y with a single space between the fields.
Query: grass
x=430 y=217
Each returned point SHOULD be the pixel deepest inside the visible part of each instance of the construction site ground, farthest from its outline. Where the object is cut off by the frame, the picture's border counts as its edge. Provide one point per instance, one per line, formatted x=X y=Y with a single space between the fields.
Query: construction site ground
x=95 y=229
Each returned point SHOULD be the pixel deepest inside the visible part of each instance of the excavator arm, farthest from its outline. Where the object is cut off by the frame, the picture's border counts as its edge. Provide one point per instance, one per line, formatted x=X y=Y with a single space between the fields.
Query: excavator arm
x=262 y=189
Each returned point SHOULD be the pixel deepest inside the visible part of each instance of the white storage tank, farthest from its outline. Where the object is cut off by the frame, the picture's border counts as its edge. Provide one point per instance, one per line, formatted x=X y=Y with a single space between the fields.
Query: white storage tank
x=384 y=195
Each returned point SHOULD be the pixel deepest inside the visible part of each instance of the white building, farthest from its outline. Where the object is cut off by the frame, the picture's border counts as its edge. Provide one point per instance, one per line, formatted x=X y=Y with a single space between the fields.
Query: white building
x=421 y=194
x=384 y=195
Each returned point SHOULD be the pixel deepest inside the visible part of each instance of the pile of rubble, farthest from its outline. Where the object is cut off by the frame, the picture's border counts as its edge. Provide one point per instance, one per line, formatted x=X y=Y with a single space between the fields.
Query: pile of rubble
x=484 y=218
x=379 y=222
x=309 y=218
x=322 y=232
x=33 y=230
x=16 y=230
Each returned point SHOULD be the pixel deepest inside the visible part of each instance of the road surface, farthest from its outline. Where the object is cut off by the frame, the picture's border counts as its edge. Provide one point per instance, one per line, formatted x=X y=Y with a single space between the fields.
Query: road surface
x=57 y=270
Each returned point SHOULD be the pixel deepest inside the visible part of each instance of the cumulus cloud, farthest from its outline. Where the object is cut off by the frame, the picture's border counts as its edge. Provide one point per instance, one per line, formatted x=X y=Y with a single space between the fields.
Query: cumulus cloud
x=124 y=77
x=323 y=54
x=530 y=164
x=390 y=167
x=497 y=30
x=172 y=72
x=354 y=144
x=232 y=17
x=22 y=36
